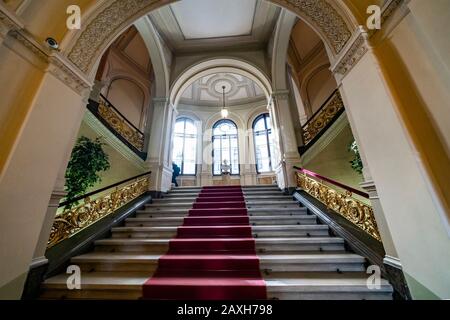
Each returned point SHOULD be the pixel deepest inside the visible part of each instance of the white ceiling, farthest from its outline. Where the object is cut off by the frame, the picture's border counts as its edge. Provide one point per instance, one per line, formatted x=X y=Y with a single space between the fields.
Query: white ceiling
x=207 y=91
x=198 y=25
x=200 y=19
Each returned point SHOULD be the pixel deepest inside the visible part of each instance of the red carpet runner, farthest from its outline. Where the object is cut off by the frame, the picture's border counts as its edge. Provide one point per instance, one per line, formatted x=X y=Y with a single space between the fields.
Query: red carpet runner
x=213 y=256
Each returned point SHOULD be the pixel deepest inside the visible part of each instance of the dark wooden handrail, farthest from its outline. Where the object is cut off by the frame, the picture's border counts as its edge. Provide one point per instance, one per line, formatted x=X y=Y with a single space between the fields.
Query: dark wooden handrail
x=65 y=203
x=120 y=113
x=320 y=109
x=336 y=183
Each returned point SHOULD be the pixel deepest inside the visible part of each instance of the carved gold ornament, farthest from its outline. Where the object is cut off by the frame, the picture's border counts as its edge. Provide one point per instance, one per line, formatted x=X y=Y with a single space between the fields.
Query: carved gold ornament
x=355 y=211
x=76 y=219
x=323 y=118
x=113 y=18
x=118 y=123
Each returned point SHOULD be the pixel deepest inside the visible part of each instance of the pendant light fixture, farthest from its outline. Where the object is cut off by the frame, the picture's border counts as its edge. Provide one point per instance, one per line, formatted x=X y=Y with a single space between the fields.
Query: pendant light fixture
x=224 y=111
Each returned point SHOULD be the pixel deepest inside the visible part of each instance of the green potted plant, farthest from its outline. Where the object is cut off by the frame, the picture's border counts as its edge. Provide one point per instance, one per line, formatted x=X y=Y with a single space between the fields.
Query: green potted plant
x=87 y=159
x=356 y=163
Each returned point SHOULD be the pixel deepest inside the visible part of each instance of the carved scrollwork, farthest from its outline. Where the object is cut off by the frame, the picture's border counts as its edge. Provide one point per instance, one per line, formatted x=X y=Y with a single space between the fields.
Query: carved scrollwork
x=76 y=219
x=355 y=211
x=323 y=118
x=120 y=125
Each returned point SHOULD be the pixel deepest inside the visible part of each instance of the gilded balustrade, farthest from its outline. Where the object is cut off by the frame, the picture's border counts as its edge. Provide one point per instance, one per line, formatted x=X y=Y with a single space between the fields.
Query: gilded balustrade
x=320 y=120
x=120 y=125
x=357 y=212
x=72 y=221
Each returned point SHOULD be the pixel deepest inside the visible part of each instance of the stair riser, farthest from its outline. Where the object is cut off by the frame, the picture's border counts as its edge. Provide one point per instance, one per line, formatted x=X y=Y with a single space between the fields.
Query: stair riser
x=311 y=267
x=253 y=222
x=118 y=267
x=157 y=202
x=261 y=248
x=144 y=235
x=88 y=294
x=150 y=248
x=297 y=248
x=290 y=234
x=274 y=295
x=254 y=213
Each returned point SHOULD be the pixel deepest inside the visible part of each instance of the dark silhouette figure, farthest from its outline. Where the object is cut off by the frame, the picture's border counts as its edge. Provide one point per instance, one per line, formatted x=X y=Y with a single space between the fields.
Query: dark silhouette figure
x=176 y=173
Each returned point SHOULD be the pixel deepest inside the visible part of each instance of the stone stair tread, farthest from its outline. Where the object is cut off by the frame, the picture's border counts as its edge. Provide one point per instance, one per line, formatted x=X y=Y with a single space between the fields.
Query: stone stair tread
x=322 y=281
x=102 y=280
x=254 y=228
x=93 y=257
x=130 y=241
x=311 y=258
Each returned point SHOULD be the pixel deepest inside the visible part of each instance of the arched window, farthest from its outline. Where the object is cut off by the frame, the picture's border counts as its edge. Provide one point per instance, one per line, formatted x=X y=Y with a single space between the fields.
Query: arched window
x=225 y=146
x=262 y=134
x=185 y=146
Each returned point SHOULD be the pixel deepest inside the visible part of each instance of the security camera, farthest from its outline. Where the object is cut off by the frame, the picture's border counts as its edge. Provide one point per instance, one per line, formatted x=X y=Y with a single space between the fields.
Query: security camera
x=52 y=43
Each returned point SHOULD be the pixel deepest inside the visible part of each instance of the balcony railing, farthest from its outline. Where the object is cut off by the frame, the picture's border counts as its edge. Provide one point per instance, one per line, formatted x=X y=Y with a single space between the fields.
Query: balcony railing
x=107 y=200
x=117 y=123
x=322 y=119
x=359 y=213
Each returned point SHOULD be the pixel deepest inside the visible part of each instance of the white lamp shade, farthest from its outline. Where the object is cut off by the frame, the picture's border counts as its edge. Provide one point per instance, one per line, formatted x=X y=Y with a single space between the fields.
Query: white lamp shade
x=224 y=113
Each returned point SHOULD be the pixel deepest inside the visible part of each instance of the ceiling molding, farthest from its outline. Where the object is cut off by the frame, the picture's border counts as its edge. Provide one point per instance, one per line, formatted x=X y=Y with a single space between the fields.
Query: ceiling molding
x=264 y=18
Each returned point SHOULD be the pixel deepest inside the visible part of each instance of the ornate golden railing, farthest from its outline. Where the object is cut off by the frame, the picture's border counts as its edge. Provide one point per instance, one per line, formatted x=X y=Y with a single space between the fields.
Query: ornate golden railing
x=326 y=114
x=72 y=221
x=120 y=124
x=357 y=212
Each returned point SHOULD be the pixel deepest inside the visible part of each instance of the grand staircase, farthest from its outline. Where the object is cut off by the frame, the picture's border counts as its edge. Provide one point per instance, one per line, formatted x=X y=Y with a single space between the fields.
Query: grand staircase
x=298 y=257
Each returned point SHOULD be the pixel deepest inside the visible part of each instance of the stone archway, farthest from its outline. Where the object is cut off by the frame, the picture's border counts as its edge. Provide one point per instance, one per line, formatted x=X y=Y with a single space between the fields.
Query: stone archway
x=109 y=20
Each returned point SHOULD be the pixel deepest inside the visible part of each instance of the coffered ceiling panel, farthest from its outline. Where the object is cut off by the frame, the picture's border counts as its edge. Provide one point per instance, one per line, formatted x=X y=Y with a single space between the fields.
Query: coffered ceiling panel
x=198 y=25
x=202 y=19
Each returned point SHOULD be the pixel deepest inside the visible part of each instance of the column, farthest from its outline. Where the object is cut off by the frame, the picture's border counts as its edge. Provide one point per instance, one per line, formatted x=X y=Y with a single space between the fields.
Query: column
x=411 y=215
x=160 y=145
x=48 y=110
x=285 y=134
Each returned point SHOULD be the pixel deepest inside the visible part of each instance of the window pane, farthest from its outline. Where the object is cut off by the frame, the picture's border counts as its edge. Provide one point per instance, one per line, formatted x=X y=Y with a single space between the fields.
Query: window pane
x=225 y=146
x=179 y=126
x=263 y=149
x=259 y=125
x=191 y=128
x=185 y=145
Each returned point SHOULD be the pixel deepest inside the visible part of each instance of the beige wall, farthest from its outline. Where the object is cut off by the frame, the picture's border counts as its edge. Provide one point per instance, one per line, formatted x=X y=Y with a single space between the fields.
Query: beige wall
x=333 y=160
x=121 y=168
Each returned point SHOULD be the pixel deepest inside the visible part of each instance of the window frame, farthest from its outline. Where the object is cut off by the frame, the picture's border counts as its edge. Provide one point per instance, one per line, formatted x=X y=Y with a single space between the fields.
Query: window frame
x=216 y=124
x=185 y=120
x=267 y=132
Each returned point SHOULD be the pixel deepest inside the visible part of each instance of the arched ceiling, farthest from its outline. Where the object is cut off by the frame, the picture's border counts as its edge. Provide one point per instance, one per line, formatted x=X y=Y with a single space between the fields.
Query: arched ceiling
x=207 y=91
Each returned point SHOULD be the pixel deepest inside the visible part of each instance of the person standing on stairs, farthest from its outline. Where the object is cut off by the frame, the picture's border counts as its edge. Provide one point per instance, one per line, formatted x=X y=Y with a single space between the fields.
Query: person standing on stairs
x=176 y=172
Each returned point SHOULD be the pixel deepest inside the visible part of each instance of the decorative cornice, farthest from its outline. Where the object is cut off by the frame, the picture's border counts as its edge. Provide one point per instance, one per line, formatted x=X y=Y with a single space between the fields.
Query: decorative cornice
x=280 y=95
x=57 y=64
x=103 y=27
x=110 y=19
x=8 y=20
x=354 y=51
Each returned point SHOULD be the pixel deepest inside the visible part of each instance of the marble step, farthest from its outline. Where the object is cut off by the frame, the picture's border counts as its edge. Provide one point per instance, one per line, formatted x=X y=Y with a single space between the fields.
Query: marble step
x=257 y=231
x=280 y=286
x=324 y=286
x=269 y=263
x=263 y=245
x=142 y=220
x=97 y=285
x=192 y=199
x=250 y=204
x=153 y=211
